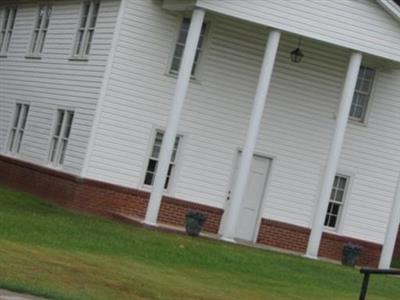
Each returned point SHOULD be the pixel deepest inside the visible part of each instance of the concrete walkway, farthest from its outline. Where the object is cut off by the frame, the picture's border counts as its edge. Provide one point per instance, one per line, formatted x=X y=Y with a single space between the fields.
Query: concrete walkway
x=6 y=295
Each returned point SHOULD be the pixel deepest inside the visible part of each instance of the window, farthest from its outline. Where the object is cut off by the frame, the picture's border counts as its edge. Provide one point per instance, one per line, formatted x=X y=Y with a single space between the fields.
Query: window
x=87 y=24
x=40 y=30
x=60 y=137
x=18 y=128
x=336 y=201
x=153 y=160
x=180 y=46
x=7 y=25
x=362 y=94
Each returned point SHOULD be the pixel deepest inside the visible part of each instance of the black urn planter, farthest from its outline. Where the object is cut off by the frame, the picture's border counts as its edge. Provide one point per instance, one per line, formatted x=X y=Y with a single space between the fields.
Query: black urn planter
x=194 y=222
x=350 y=254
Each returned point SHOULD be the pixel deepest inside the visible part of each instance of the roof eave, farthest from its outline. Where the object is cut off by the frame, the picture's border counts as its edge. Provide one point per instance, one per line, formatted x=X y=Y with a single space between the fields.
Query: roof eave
x=391 y=7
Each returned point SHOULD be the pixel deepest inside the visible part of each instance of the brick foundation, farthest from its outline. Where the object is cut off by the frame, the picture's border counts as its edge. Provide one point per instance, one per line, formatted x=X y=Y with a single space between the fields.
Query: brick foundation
x=103 y=198
x=331 y=247
x=283 y=235
x=295 y=238
x=96 y=197
x=396 y=253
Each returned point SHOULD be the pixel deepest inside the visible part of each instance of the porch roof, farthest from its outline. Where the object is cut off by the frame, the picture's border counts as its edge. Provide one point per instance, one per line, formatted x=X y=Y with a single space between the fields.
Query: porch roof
x=371 y=27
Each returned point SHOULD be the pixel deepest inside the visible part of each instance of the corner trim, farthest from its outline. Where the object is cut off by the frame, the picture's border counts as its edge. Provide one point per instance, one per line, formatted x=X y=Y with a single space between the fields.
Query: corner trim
x=104 y=88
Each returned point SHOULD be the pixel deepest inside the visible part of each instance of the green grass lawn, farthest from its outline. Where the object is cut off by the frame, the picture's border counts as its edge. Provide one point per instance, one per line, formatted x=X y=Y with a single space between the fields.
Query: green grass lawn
x=50 y=252
x=396 y=263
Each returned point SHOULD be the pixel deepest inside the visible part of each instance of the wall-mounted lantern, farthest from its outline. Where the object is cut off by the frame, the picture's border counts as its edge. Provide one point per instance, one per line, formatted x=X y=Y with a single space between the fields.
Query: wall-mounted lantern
x=297 y=55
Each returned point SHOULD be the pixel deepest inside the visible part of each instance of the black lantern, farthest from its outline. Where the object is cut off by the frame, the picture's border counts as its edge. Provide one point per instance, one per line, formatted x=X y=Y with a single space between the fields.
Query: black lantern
x=296 y=55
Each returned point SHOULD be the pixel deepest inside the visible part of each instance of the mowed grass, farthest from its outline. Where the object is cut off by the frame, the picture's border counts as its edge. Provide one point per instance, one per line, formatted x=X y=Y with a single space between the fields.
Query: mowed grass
x=396 y=263
x=47 y=251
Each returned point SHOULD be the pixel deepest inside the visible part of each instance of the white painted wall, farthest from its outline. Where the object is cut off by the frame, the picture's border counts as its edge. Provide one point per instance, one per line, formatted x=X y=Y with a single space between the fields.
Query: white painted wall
x=357 y=24
x=296 y=130
x=54 y=81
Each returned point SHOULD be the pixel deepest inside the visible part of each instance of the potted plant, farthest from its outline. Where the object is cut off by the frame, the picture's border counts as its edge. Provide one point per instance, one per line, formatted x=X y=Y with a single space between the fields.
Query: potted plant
x=194 y=222
x=350 y=254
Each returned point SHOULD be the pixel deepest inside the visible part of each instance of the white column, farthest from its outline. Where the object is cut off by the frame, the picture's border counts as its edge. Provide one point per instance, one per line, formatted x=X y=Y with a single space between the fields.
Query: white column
x=391 y=231
x=181 y=87
x=252 y=133
x=334 y=154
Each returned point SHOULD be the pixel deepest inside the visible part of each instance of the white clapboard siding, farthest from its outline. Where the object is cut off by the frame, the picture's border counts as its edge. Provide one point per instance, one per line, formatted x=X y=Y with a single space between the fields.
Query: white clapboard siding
x=54 y=80
x=296 y=130
x=356 y=24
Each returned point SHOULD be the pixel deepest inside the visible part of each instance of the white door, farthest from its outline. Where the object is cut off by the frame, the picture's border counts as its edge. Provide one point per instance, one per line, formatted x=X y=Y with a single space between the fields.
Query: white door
x=252 y=200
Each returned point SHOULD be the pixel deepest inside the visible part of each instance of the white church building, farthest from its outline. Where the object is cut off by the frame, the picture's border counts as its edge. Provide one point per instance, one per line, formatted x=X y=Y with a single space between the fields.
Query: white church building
x=279 y=119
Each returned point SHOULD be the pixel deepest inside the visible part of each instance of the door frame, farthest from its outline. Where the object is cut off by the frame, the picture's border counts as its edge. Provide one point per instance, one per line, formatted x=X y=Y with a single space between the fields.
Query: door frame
x=262 y=204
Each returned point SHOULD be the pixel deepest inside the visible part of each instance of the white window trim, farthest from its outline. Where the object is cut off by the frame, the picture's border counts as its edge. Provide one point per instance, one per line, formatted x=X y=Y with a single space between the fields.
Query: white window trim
x=196 y=78
x=371 y=98
x=37 y=54
x=56 y=164
x=170 y=191
x=50 y=136
x=368 y=95
x=343 y=209
x=7 y=37
x=83 y=56
x=7 y=151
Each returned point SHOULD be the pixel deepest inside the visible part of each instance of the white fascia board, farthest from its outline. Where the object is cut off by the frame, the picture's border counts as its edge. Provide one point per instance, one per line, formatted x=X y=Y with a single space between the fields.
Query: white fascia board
x=391 y=7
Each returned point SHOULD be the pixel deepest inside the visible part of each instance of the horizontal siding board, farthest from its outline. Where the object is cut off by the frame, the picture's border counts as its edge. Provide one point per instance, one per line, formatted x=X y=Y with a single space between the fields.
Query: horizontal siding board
x=356 y=24
x=298 y=121
x=55 y=80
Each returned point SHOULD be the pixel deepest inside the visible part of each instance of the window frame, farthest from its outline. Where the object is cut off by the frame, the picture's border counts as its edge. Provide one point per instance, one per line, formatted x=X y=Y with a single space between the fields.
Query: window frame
x=82 y=55
x=56 y=163
x=175 y=171
x=14 y=144
x=343 y=204
x=6 y=30
x=370 y=96
x=39 y=41
x=196 y=77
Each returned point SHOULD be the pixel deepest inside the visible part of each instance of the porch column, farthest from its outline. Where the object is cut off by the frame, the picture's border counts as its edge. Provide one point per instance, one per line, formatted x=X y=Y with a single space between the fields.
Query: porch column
x=252 y=133
x=334 y=154
x=181 y=87
x=391 y=231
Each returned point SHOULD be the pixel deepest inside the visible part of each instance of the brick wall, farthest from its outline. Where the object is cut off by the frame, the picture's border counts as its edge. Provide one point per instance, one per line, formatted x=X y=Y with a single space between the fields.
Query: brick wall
x=295 y=238
x=331 y=247
x=42 y=182
x=283 y=235
x=96 y=197
x=102 y=198
x=396 y=253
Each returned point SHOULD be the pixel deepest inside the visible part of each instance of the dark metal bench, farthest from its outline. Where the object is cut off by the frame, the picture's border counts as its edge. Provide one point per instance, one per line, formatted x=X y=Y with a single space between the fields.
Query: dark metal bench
x=367 y=272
